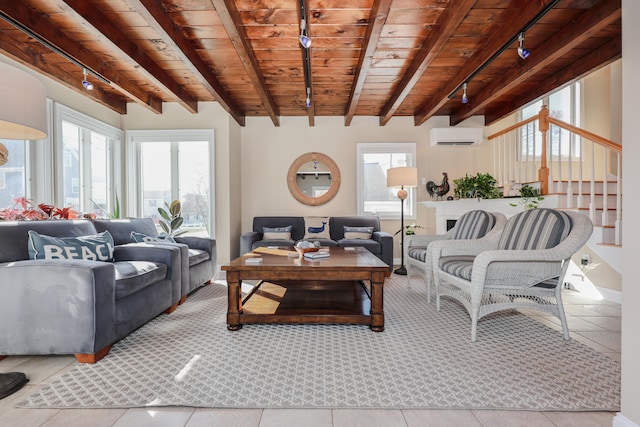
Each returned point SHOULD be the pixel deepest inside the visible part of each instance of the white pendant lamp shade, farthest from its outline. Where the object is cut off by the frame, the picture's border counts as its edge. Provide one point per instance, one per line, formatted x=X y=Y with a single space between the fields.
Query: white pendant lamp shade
x=23 y=106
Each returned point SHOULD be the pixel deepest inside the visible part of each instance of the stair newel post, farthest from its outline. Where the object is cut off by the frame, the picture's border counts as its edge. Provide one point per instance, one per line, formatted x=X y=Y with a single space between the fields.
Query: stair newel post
x=543 y=172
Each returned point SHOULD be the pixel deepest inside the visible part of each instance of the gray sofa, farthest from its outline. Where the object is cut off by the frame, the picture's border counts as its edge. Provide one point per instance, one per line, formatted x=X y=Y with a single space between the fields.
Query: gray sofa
x=380 y=243
x=198 y=254
x=79 y=306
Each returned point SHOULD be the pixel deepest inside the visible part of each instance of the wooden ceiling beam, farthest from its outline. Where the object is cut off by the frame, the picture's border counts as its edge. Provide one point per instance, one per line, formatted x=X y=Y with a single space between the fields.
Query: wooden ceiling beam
x=583 y=27
x=230 y=17
x=34 y=59
x=99 y=24
x=446 y=25
x=160 y=21
x=516 y=22
x=597 y=58
x=377 y=19
x=41 y=25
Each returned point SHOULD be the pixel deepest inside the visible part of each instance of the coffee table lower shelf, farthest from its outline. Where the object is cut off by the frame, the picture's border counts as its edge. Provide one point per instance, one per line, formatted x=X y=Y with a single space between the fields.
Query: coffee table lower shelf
x=295 y=302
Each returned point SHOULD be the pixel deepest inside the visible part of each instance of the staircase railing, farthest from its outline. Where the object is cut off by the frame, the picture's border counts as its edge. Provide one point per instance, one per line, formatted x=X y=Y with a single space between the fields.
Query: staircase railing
x=561 y=159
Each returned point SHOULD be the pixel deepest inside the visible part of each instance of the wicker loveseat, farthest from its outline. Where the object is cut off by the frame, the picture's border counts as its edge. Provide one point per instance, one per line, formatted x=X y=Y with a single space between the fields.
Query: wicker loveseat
x=418 y=254
x=523 y=266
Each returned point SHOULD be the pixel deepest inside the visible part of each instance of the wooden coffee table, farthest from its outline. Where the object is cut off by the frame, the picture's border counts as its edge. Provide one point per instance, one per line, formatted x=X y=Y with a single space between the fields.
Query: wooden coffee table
x=346 y=287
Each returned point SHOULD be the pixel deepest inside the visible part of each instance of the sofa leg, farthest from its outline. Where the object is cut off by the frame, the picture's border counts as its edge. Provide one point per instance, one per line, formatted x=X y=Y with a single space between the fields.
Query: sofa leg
x=93 y=358
x=182 y=300
x=171 y=309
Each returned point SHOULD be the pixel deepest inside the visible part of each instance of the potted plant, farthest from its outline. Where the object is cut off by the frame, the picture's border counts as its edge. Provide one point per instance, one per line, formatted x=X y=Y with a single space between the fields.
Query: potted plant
x=172 y=218
x=530 y=197
x=409 y=230
x=482 y=186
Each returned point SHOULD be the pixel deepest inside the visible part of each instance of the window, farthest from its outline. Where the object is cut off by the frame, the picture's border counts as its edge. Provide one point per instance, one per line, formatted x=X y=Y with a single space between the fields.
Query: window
x=170 y=165
x=13 y=179
x=87 y=150
x=564 y=104
x=374 y=197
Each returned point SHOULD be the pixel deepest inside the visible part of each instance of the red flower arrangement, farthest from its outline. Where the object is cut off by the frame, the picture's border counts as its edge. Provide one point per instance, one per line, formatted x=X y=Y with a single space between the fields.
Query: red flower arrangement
x=25 y=209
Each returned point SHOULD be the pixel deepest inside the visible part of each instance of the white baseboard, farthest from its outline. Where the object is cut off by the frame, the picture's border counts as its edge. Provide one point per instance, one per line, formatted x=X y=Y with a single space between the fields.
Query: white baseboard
x=610 y=294
x=621 y=421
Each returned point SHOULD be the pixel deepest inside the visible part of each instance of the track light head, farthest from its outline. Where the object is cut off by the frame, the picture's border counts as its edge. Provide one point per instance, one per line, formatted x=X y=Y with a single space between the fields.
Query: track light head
x=305 y=40
x=522 y=51
x=308 y=100
x=465 y=98
x=86 y=83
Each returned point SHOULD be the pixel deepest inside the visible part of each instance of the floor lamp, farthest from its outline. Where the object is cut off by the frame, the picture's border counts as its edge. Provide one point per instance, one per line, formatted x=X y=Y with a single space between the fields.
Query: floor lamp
x=26 y=118
x=403 y=177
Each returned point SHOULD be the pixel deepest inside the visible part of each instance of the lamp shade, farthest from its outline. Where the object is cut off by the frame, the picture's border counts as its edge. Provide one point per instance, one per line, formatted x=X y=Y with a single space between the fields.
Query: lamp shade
x=402 y=177
x=23 y=106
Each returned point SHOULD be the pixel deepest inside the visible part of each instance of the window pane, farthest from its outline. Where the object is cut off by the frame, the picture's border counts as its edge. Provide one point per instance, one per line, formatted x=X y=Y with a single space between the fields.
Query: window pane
x=531 y=110
x=155 y=162
x=376 y=197
x=99 y=179
x=564 y=105
x=194 y=186
x=12 y=173
x=71 y=165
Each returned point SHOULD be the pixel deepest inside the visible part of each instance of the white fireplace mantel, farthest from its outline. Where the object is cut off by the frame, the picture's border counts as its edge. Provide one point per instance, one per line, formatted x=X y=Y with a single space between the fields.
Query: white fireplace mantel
x=453 y=209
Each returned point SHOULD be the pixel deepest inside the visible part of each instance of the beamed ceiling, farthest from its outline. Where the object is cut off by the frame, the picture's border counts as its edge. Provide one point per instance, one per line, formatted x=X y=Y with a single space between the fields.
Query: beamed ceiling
x=381 y=58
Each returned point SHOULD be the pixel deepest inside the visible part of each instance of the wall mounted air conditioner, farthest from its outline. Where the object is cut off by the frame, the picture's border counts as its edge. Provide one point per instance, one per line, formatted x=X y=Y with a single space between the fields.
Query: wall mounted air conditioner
x=454 y=136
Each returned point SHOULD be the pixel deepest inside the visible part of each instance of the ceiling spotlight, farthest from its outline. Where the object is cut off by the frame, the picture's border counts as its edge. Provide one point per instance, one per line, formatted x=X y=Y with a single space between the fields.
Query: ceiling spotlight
x=308 y=100
x=523 y=52
x=465 y=98
x=305 y=40
x=86 y=83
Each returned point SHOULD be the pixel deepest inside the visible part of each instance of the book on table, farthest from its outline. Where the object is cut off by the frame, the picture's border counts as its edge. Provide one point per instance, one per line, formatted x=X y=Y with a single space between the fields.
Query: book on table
x=316 y=255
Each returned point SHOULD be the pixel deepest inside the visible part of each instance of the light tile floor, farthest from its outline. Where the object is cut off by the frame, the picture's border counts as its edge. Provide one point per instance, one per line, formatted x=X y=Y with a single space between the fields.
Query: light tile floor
x=592 y=322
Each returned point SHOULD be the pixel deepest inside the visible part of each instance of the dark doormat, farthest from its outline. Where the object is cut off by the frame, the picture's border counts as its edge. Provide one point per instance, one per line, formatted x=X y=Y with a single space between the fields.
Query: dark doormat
x=11 y=382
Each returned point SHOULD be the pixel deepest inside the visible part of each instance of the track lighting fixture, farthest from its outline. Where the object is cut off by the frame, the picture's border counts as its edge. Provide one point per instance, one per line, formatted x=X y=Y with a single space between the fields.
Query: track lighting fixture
x=465 y=98
x=523 y=52
x=86 y=83
x=308 y=100
x=305 y=40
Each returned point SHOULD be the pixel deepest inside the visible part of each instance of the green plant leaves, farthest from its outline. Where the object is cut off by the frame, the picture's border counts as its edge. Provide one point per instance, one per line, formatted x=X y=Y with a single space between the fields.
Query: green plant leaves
x=482 y=185
x=172 y=218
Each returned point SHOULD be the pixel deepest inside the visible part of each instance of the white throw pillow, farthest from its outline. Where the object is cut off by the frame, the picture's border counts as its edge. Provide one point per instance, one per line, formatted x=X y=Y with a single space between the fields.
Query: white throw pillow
x=356 y=233
x=316 y=227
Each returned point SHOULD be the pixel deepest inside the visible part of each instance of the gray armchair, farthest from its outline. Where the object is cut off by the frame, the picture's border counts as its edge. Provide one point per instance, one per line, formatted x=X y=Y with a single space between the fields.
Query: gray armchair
x=475 y=224
x=198 y=254
x=79 y=306
x=523 y=266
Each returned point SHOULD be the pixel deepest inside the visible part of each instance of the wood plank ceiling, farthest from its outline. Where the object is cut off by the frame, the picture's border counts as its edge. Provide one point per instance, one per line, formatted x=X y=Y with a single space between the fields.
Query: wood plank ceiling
x=380 y=58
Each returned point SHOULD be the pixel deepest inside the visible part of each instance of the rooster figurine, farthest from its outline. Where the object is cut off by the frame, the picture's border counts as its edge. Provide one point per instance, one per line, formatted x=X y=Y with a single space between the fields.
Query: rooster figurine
x=439 y=190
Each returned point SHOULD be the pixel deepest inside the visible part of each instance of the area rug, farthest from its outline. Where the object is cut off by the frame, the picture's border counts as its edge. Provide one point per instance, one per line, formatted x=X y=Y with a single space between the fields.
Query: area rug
x=423 y=359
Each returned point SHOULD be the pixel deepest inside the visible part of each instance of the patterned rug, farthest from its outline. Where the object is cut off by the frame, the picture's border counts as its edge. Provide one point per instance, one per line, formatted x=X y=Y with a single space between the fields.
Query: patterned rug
x=423 y=359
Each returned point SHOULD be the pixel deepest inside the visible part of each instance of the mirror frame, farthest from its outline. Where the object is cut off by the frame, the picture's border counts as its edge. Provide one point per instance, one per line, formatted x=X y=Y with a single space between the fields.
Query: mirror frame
x=293 y=186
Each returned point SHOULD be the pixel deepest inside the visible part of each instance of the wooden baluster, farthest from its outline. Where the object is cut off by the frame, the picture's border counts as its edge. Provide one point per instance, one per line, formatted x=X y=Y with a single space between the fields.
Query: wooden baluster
x=543 y=172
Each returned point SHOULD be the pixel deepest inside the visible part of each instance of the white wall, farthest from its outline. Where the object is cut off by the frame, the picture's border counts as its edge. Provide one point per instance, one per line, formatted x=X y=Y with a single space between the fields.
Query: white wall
x=630 y=208
x=268 y=151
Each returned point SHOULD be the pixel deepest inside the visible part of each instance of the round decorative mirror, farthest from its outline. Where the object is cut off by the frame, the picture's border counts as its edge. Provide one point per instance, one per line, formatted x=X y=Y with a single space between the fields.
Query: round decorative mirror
x=313 y=179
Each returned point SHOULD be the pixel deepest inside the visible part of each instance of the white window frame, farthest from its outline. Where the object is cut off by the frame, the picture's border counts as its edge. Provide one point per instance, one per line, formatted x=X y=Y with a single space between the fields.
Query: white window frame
x=363 y=148
x=114 y=150
x=136 y=137
x=577 y=118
